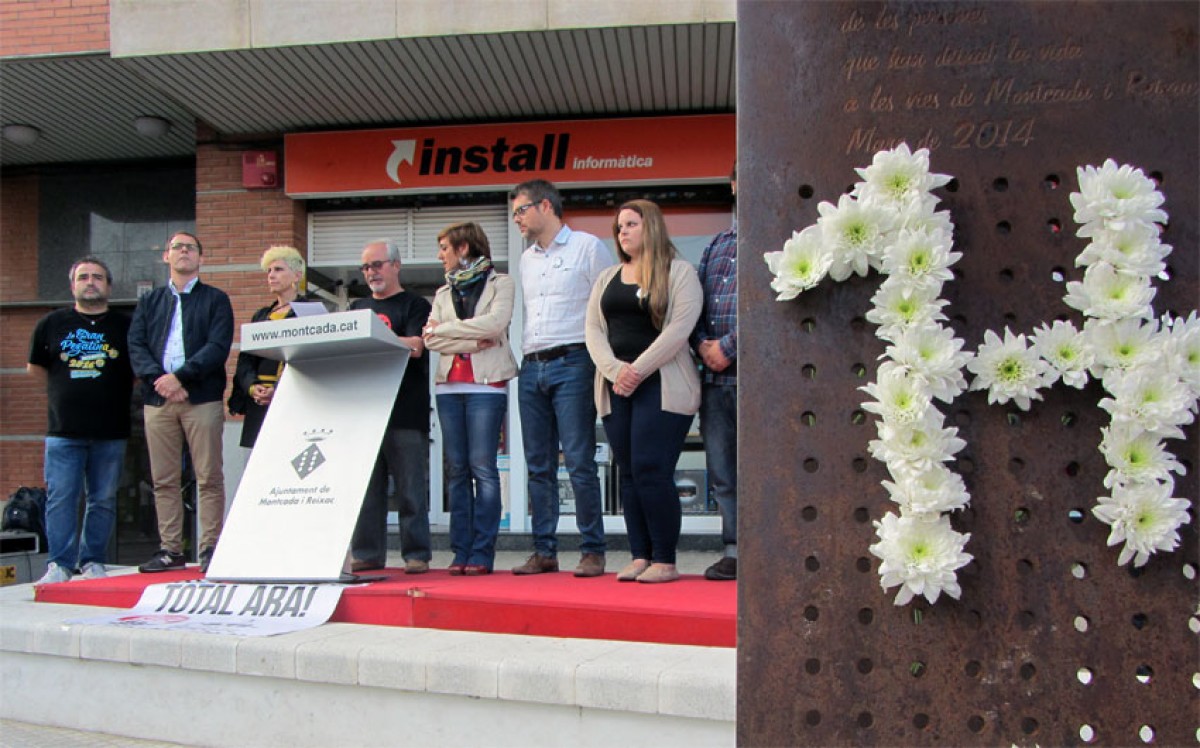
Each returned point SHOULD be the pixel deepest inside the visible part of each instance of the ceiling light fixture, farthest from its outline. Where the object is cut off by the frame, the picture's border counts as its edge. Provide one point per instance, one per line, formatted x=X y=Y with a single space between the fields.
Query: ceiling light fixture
x=21 y=134
x=151 y=127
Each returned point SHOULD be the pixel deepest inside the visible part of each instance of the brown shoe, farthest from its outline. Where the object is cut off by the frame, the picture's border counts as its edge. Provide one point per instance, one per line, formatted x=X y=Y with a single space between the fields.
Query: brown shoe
x=537 y=564
x=590 y=565
x=357 y=566
x=415 y=566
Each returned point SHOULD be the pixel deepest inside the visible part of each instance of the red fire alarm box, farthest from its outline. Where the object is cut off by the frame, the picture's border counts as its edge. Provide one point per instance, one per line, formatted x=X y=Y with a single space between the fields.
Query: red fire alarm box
x=260 y=170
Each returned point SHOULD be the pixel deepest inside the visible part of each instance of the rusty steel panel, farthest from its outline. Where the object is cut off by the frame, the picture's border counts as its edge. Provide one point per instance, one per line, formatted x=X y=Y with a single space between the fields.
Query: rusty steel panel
x=1010 y=97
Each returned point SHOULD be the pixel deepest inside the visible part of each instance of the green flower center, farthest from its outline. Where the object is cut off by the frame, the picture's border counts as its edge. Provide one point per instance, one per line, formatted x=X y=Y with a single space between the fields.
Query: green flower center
x=897 y=184
x=1010 y=370
x=856 y=233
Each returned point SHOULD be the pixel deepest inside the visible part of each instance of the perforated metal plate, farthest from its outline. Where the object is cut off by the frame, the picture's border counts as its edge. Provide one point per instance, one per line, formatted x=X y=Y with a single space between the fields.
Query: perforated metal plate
x=1051 y=642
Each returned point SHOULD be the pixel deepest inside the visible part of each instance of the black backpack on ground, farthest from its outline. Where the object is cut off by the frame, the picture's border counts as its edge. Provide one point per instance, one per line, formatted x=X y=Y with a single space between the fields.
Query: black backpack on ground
x=26 y=511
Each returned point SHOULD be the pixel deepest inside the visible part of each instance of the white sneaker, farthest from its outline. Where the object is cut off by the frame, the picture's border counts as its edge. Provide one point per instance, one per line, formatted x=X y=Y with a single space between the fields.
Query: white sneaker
x=93 y=570
x=54 y=574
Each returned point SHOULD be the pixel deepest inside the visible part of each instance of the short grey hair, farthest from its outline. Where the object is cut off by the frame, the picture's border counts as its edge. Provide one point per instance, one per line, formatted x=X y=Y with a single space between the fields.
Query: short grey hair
x=393 y=248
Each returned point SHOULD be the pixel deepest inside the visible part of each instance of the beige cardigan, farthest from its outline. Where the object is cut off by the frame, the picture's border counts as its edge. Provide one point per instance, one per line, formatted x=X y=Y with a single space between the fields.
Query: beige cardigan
x=493 y=312
x=669 y=354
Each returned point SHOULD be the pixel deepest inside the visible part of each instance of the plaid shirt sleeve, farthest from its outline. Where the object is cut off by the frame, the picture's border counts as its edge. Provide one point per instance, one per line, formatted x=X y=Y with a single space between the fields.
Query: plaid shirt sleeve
x=718 y=276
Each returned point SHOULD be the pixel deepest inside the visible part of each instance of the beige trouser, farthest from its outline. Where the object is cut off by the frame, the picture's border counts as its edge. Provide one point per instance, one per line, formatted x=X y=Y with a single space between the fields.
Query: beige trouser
x=167 y=426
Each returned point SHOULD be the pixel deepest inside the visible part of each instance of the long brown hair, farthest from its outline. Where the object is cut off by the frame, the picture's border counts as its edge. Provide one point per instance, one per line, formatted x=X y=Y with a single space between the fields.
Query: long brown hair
x=654 y=272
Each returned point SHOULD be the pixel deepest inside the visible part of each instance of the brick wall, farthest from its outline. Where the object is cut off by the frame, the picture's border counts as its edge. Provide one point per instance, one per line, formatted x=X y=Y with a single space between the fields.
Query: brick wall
x=50 y=27
x=22 y=403
x=22 y=399
x=18 y=238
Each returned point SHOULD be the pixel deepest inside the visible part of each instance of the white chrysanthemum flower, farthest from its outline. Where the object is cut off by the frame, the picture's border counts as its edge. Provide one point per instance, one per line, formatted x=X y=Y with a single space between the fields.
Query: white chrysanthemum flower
x=1145 y=517
x=1008 y=370
x=1109 y=294
x=899 y=398
x=1181 y=345
x=898 y=178
x=1136 y=456
x=921 y=554
x=1150 y=398
x=1122 y=345
x=802 y=264
x=855 y=234
x=897 y=305
x=1135 y=249
x=931 y=491
x=1066 y=350
x=926 y=219
x=1116 y=196
x=932 y=354
x=915 y=446
x=920 y=257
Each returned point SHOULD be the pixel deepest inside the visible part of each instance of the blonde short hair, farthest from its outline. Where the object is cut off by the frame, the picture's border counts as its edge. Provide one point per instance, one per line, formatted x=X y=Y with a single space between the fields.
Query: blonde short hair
x=289 y=255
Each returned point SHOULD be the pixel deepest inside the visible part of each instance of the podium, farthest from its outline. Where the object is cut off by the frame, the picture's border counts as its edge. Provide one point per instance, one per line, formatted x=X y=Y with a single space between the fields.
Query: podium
x=296 y=507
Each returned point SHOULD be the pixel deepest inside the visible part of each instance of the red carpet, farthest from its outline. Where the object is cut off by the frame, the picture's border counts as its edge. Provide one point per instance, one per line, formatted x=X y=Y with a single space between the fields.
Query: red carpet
x=690 y=611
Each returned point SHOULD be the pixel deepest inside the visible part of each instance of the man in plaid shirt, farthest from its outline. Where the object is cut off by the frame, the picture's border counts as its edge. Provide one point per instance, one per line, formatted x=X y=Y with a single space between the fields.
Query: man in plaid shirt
x=715 y=340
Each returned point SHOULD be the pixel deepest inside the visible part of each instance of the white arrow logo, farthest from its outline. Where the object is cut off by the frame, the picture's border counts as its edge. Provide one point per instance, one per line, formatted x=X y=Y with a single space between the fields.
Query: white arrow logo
x=404 y=152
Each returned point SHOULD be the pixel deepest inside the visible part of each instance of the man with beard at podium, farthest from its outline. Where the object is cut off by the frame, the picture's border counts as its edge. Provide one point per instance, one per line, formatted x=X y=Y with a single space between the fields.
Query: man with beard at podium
x=404 y=452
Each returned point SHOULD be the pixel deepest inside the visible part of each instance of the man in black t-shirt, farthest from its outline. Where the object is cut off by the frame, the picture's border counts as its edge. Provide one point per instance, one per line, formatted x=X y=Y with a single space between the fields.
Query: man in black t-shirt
x=82 y=355
x=404 y=453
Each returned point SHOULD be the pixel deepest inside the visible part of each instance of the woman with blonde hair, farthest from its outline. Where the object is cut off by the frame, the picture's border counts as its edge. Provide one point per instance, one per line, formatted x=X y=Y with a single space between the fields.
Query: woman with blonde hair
x=639 y=317
x=469 y=328
x=255 y=379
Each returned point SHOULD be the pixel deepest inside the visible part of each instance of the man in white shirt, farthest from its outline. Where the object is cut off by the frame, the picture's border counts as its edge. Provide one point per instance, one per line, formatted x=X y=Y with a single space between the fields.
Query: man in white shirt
x=556 y=380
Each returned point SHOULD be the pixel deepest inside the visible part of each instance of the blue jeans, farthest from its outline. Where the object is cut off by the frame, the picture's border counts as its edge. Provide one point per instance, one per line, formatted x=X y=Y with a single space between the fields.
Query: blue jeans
x=404 y=454
x=73 y=466
x=557 y=406
x=718 y=426
x=470 y=436
x=646 y=442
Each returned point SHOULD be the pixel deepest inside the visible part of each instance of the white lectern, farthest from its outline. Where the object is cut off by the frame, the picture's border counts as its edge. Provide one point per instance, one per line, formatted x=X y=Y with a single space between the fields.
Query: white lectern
x=298 y=502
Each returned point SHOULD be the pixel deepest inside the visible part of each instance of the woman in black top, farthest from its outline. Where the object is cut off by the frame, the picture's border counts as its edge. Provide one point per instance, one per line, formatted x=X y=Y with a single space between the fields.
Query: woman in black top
x=255 y=379
x=639 y=317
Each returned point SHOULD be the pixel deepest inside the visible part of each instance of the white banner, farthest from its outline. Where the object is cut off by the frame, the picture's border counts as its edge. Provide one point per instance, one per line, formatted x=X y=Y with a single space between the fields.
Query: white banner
x=238 y=609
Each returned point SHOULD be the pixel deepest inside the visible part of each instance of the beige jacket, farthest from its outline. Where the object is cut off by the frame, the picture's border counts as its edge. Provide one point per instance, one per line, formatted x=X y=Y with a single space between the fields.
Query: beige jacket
x=453 y=335
x=669 y=354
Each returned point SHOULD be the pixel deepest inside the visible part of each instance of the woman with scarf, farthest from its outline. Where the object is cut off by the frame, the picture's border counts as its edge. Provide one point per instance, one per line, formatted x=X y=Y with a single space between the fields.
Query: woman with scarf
x=469 y=328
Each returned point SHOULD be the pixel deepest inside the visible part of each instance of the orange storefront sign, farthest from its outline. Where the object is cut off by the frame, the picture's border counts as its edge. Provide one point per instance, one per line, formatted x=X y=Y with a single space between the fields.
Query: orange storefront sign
x=664 y=150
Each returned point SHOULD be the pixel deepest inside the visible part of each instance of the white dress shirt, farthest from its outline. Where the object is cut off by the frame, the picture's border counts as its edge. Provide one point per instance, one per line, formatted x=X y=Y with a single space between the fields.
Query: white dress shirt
x=557 y=282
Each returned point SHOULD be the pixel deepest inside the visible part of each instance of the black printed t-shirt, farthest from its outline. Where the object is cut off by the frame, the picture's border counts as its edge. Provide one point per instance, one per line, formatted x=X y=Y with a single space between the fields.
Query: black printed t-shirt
x=405 y=314
x=89 y=377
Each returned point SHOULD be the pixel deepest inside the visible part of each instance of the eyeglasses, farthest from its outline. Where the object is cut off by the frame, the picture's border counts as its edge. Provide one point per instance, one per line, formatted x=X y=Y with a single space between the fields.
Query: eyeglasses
x=520 y=210
x=180 y=246
x=366 y=266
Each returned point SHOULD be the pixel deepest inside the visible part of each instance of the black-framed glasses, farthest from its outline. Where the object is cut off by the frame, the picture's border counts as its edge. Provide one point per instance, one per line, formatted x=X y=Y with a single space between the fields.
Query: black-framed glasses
x=376 y=265
x=520 y=210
